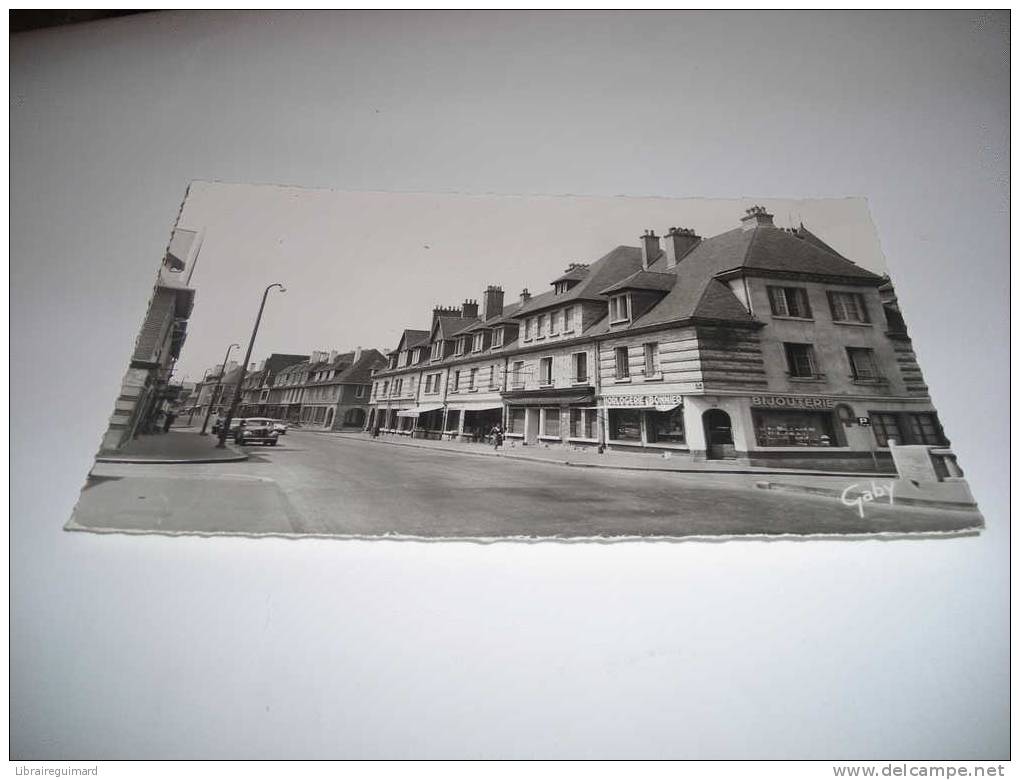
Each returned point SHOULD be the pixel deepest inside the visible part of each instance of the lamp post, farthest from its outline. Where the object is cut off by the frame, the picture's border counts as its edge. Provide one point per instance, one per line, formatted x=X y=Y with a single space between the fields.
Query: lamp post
x=225 y=430
x=219 y=381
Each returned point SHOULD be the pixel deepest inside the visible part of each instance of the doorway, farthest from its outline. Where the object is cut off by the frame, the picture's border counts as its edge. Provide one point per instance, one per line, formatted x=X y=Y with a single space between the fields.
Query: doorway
x=718 y=435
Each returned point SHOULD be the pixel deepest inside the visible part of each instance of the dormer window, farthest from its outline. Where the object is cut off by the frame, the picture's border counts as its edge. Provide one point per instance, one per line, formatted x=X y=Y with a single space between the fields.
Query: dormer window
x=529 y=328
x=479 y=340
x=541 y=326
x=437 y=350
x=497 y=337
x=619 y=308
x=561 y=287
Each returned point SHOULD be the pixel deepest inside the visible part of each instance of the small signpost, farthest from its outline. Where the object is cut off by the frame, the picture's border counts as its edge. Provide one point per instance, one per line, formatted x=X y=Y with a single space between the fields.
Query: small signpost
x=865 y=421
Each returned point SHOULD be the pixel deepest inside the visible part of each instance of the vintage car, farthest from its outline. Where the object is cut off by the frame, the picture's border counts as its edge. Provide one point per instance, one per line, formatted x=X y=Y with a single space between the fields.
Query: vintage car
x=257 y=430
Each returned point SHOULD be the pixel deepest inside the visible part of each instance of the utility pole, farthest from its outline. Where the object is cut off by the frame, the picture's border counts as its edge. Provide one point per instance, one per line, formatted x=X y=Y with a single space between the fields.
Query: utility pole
x=225 y=430
x=219 y=381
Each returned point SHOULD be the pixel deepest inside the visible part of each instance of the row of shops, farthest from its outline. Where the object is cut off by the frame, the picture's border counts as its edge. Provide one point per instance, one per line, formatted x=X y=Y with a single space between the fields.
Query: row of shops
x=797 y=430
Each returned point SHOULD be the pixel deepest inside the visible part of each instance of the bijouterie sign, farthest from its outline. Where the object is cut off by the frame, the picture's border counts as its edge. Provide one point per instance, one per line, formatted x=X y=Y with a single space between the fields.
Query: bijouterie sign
x=792 y=402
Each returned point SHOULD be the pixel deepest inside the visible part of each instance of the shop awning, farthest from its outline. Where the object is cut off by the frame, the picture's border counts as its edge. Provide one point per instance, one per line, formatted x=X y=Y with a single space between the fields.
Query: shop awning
x=477 y=406
x=416 y=410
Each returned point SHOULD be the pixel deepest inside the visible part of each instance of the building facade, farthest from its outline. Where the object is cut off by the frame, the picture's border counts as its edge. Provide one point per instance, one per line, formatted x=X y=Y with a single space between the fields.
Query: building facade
x=259 y=395
x=145 y=389
x=762 y=345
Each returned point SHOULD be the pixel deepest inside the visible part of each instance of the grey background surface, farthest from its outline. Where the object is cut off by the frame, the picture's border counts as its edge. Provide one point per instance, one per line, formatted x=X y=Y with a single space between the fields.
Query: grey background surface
x=156 y=647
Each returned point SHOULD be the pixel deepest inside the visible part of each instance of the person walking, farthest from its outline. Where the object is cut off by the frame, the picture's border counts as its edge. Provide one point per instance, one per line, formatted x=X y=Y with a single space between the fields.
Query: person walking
x=497 y=437
x=168 y=420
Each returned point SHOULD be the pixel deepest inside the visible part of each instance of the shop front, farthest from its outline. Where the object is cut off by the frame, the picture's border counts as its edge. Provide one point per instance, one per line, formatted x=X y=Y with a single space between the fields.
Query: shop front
x=475 y=420
x=645 y=420
x=552 y=416
x=409 y=420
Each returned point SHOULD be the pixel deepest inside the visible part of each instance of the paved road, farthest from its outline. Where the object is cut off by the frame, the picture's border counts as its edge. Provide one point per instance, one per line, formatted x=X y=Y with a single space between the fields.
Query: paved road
x=317 y=483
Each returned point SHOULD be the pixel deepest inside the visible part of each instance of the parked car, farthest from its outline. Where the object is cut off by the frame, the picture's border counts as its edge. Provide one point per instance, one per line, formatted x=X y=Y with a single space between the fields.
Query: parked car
x=257 y=430
x=281 y=427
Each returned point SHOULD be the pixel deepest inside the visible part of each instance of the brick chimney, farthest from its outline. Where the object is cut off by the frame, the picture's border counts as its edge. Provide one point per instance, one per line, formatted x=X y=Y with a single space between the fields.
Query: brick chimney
x=469 y=309
x=679 y=241
x=333 y=355
x=443 y=311
x=525 y=296
x=755 y=217
x=357 y=355
x=492 y=302
x=649 y=248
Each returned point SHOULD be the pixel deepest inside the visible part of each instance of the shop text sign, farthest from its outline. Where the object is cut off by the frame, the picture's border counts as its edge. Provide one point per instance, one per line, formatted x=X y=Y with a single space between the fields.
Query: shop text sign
x=666 y=399
x=792 y=402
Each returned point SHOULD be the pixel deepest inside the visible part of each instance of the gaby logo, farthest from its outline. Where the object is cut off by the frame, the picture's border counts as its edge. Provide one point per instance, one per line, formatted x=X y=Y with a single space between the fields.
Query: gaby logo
x=855 y=497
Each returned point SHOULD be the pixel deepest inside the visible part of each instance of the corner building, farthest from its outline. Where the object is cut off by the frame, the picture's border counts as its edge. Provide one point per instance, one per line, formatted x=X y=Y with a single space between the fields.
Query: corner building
x=762 y=345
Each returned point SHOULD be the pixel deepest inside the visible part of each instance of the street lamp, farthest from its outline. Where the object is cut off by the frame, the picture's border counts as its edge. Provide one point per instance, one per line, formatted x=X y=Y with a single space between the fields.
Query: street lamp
x=225 y=430
x=219 y=381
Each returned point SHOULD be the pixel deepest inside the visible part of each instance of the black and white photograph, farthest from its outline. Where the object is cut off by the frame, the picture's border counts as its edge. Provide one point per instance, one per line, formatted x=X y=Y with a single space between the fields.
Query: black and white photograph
x=442 y=366
x=460 y=386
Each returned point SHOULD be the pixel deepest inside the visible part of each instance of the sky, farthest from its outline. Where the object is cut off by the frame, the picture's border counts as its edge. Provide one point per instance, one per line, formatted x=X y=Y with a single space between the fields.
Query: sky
x=360 y=267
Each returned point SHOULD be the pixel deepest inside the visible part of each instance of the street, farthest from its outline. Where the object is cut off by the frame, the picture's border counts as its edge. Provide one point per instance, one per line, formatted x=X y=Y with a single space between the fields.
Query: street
x=316 y=483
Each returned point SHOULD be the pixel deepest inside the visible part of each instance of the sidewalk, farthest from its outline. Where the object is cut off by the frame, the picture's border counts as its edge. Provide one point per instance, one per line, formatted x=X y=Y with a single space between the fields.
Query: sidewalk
x=177 y=446
x=848 y=486
x=589 y=458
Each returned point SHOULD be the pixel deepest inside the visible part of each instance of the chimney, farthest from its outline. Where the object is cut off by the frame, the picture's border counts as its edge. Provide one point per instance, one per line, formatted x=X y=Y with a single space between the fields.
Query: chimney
x=469 y=309
x=755 y=217
x=649 y=248
x=679 y=241
x=525 y=295
x=441 y=311
x=357 y=355
x=492 y=303
x=332 y=355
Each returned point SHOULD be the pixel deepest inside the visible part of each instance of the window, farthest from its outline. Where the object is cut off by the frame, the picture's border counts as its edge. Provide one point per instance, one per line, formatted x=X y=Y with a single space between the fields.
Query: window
x=515 y=419
x=554 y=323
x=568 y=319
x=561 y=287
x=551 y=421
x=800 y=361
x=619 y=310
x=398 y=385
x=497 y=337
x=529 y=325
x=666 y=427
x=886 y=426
x=625 y=424
x=545 y=371
x=471 y=378
x=622 y=363
x=359 y=391
x=428 y=383
x=862 y=364
x=479 y=339
x=926 y=429
x=789 y=302
x=492 y=377
x=580 y=367
x=436 y=350
x=582 y=423
x=386 y=387
x=517 y=375
x=456 y=381
x=651 y=360
x=541 y=326
x=848 y=307
x=793 y=429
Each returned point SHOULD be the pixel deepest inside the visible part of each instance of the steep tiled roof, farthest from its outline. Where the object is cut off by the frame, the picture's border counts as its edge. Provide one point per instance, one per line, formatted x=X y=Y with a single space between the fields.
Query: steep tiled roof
x=574 y=274
x=618 y=264
x=451 y=326
x=644 y=280
x=413 y=338
x=361 y=371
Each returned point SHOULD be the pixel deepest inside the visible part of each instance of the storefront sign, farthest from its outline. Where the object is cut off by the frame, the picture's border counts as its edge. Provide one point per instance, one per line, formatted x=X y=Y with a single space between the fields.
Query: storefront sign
x=644 y=401
x=792 y=402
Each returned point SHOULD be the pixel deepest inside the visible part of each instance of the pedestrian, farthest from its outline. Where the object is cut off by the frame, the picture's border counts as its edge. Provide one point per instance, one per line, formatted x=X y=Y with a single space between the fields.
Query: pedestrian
x=168 y=420
x=497 y=437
